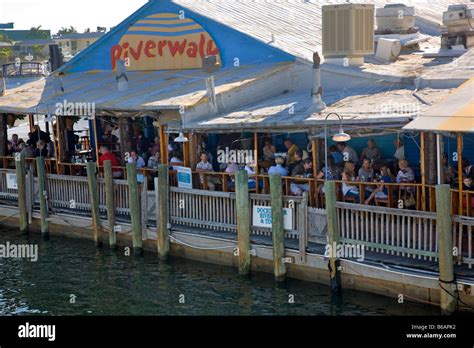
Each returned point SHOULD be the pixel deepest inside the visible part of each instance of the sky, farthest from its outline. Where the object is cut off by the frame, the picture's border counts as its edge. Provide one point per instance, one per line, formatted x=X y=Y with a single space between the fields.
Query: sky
x=54 y=14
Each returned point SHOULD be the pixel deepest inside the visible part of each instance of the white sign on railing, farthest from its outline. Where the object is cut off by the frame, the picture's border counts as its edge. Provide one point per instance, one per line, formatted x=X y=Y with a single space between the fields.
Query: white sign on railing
x=262 y=217
x=11 y=182
x=185 y=176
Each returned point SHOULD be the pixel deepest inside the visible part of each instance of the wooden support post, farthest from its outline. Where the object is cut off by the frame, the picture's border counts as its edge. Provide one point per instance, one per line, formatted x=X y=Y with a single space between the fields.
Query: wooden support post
x=110 y=203
x=134 y=201
x=255 y=147
x=243 y=222
x=144 y=208
x=96 y=139
x=423 y=171
x=94 y=200
x=445 y=250
x=303 y=226
x=186 y=159
x=21 y=183
x=42 y=197
x=163 y=145
x=162 y=211
x=278 y=233
x=333 y=235
x=460 y=174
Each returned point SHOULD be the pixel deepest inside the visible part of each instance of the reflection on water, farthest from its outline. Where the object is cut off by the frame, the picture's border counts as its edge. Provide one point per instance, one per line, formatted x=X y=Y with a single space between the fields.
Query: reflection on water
x=72 y=278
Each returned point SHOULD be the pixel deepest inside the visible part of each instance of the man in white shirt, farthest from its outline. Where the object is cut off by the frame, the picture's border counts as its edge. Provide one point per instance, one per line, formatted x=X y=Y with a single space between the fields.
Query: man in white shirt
x=205 y=166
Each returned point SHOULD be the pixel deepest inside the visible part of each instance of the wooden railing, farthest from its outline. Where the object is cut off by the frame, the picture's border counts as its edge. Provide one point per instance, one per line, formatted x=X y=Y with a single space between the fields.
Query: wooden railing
x=463 y=229
x=203 y=209
x=387 y=230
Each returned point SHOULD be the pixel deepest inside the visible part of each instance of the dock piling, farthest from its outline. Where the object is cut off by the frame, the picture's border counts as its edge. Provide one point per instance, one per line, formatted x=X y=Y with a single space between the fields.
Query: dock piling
x=278 y=233
x=42 y=197
x=162 y=211
x=94 y=200
x=243 y=221
x=332 y=233
x=445 y=249
x=110 y=203
x=21 y=184
x=134 y=201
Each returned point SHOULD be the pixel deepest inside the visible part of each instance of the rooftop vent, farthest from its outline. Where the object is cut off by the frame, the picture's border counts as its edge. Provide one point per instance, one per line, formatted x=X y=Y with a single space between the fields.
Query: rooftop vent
x=459 y=23
x=348 y=30
x=459 y=18
x=395 y=18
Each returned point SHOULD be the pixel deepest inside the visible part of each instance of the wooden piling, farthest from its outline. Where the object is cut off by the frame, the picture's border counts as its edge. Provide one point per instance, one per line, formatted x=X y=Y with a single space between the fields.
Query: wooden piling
x=134 y=201
x=42 y=197
x=445 y=250
x=110 y=203
x=278 y=233
x=94 y=201
x=21 y=184
x=243 y=221
x=162 y=212
x=332 y=233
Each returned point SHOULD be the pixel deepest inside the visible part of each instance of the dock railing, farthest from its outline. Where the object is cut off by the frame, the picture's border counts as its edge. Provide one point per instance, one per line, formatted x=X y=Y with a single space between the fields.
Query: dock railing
x=383 y=229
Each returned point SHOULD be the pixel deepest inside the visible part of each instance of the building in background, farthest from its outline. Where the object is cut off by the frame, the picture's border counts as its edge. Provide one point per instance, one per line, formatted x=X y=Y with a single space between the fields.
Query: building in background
x=71 y=44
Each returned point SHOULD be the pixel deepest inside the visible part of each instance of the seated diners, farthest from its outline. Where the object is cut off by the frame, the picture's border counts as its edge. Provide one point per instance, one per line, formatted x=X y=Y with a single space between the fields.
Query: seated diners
x=371 y=152
x=250 y=169
x=405 y=174
x=381 y=191
x=231 y=168
x=348 y=175
x=302 y=169
x=291 y=152
x=138 y=160
x=176 y=158
x=205 y=166
x=107 y=155
x=296 y=168
x=366 y=172
x=41 y=150
x=278 y=167
x=26 y=150
x=330 y=172
x=348 y=153
x=338 y=159
x=154 y=160
x=155 y=147
x=268 y=154
x=14 y=143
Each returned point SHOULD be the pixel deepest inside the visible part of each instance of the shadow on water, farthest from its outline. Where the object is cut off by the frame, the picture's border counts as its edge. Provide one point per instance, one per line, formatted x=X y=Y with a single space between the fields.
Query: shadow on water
x=72 y=277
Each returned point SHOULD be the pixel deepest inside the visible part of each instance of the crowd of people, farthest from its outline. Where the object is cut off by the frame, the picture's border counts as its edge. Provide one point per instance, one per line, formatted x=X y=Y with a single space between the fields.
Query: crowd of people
x=38 y=144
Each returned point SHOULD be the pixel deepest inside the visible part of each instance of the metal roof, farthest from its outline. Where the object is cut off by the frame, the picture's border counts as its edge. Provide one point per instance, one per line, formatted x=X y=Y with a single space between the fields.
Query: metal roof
x=295 y=25
x=291 y=111
x=147 y=90
x=455 y=113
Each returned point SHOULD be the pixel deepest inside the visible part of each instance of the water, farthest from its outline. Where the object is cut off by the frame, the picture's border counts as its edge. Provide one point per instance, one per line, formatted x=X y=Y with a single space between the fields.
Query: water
x=109 y=283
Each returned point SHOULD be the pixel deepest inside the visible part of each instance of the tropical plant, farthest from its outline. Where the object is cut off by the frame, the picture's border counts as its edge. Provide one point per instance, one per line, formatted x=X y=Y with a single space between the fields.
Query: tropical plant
x=36 y=33
x=64 y=30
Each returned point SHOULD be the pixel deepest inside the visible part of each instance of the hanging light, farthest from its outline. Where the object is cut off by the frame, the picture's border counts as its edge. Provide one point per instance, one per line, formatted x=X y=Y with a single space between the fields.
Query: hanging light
x=181 y=138
x=341 y=136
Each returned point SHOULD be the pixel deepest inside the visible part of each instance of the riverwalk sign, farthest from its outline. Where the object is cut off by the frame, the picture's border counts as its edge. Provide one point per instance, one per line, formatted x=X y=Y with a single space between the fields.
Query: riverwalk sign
x=262 y=217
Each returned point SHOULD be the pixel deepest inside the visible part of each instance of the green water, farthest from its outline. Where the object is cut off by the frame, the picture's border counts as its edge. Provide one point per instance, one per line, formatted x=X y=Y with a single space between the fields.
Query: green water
x=72 y=278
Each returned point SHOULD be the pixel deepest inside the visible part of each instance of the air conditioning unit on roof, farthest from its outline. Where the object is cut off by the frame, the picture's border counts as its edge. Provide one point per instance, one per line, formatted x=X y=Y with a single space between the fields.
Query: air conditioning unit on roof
x=348 y=30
